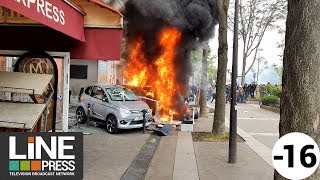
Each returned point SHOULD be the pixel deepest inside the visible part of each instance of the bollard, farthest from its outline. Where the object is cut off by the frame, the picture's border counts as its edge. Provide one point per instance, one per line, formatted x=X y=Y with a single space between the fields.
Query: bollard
x=89 y=112
x=144 y=112
x=193 y=115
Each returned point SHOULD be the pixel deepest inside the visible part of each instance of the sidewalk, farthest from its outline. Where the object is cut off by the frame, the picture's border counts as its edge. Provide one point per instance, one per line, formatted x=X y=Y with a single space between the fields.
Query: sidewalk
x=258 y=127
x=109 y=156
x=162 y=163
x=177 y=157
x=263 y=125
x=212 y=159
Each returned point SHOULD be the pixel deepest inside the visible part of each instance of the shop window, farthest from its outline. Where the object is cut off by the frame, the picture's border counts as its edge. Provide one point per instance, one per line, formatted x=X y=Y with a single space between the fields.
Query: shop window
x=78 y=71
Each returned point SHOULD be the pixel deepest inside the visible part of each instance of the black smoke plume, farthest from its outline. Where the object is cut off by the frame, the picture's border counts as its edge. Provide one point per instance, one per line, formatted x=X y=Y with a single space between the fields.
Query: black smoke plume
x=196 y=20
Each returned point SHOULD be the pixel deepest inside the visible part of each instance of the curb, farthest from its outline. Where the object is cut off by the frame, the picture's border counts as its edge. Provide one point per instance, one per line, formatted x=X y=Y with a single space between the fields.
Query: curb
x=259 y=148
x=269 y=108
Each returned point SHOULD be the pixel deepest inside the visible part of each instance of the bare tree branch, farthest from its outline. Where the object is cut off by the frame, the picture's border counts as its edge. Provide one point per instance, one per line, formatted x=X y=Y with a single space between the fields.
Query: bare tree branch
x=256 y=17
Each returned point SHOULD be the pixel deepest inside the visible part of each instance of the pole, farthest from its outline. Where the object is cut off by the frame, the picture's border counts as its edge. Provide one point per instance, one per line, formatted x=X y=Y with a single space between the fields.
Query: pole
x=144 y=112
x=258 y=72
x=233 y=110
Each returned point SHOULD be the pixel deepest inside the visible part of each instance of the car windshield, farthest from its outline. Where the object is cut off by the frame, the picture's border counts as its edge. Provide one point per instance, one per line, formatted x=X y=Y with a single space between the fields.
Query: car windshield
x=121 y=94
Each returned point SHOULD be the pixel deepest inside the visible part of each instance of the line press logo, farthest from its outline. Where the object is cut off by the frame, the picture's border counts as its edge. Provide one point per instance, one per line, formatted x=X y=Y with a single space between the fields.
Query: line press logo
x=39 y=155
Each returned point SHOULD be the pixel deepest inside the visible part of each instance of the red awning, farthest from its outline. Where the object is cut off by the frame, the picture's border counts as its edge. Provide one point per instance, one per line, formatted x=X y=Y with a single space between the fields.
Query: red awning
x=102 y=44
x=60 y=15
x=107 y=7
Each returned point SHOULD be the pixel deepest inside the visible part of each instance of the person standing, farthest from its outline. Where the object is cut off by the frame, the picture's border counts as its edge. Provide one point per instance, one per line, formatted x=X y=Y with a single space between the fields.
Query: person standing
x=253 y=89
x=246 y=91
x=210 y=92
x=241 y=94
x=214 y=92
x=228 y=93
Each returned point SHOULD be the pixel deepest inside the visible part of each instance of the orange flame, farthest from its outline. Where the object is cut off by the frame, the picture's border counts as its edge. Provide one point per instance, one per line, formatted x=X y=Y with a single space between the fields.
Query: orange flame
x=137 y=68
x=160 y=75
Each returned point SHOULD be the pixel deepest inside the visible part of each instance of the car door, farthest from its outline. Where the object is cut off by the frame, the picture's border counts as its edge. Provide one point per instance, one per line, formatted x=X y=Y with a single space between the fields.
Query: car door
x=98 y=103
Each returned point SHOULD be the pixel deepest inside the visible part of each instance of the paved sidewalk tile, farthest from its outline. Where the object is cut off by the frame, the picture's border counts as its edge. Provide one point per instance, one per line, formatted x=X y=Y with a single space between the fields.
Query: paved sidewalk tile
x=186 y=175
x=162 y=163
x=185 y=166
x=212 y=161
x=257 y=146
x=185 y=162
x=108 y=156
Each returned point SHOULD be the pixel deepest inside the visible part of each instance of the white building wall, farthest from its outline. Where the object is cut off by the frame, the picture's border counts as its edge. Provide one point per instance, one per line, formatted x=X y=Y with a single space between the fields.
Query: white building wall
x=77 y=84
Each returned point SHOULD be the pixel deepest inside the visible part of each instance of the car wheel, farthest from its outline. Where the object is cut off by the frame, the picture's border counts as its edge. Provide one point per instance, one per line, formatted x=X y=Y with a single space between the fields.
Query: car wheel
x=112 y=125
x=81 y=115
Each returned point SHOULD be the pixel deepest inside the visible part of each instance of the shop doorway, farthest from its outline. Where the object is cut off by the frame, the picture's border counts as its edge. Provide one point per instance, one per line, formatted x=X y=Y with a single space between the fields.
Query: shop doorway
x=57 y=63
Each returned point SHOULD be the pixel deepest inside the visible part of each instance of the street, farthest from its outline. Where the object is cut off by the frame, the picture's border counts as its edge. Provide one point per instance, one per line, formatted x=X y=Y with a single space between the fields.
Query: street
x=106 y=156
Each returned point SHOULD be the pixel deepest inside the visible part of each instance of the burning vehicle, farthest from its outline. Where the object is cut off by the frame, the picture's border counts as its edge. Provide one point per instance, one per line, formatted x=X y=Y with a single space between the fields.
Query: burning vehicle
x=160 y=85
x=118 y=106
x=160 y=37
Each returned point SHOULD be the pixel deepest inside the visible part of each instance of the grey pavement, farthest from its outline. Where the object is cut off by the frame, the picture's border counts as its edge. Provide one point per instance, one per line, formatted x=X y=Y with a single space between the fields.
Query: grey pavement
x=261 y=124
x=203 y=124
x=212 y=157
x=212 y=163
x=162 y=163
x=258 y=127
x=185 y=165
x=109 y=156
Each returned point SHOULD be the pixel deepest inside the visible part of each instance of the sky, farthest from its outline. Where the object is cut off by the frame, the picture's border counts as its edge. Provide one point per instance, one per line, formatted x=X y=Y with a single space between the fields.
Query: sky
x=270 y=52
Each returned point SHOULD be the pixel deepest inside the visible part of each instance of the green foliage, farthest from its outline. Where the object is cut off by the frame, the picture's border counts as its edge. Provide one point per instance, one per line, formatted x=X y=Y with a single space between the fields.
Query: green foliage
x=272 y=101
x=278 y=69
x=196 y=56
x=212 y=69
x=274 y=90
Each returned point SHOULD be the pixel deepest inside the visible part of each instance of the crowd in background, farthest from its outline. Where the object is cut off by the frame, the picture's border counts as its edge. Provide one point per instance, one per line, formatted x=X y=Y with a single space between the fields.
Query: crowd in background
x=243 y=93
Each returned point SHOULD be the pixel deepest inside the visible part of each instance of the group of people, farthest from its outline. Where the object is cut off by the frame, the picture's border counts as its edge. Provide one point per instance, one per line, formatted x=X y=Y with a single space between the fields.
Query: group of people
x=212 y=91
x=243 y=92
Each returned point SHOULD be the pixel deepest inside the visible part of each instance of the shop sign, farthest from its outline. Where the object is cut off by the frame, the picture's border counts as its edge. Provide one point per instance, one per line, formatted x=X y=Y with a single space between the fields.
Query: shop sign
x=39 y=156
x=58 y=15
x=38 y=64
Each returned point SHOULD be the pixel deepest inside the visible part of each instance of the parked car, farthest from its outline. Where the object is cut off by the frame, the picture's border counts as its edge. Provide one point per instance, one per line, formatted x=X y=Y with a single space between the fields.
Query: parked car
x=118 y=106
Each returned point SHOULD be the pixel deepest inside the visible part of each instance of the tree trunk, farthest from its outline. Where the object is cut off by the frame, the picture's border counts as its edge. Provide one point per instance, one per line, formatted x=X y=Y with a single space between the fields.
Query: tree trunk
x=243 y=74
x=204 y=80
x=300 y=107
x=219 y=114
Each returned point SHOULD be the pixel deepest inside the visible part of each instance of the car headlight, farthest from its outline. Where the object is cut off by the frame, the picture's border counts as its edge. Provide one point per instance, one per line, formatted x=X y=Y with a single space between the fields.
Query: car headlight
x=135 y=111
x=124 y=112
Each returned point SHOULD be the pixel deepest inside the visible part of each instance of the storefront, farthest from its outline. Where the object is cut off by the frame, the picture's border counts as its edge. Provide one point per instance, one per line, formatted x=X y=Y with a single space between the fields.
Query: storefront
x=44 y=36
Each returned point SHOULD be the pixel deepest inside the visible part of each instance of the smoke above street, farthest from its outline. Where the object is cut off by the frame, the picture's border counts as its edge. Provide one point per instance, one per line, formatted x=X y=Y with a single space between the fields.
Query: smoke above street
x=149 y=21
